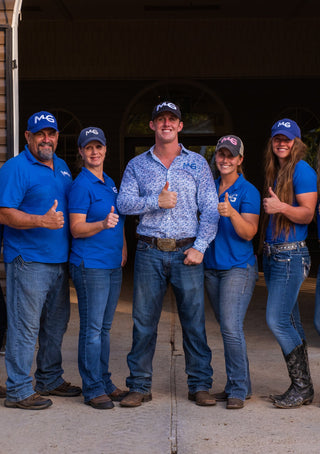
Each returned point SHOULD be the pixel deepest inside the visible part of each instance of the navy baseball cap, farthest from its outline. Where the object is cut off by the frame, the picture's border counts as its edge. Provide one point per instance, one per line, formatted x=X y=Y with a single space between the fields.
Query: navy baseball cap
x=166 y=106
x=89 y=134
x=41 y=120
x=287 y=127
x=232 y=143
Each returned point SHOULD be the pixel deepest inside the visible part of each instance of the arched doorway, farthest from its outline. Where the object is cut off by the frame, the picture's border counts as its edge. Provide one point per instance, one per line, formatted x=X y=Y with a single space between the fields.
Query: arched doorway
x=205 y=119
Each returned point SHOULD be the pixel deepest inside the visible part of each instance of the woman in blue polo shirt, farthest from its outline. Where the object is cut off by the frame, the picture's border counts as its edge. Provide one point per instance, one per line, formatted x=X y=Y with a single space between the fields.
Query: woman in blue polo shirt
x=230 y=265
x=98 y=251
x=290 y=197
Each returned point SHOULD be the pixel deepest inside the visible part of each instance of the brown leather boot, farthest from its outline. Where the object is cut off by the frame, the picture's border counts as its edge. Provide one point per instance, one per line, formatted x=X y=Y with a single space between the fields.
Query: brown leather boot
x=33 y=402
x=202 y=398
x=135 y=399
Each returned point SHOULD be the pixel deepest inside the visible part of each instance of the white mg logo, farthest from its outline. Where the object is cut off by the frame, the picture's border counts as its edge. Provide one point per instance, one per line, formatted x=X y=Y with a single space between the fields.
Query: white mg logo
x=286 y=124
x=92 y=131
x=233 y=197
x=44 y=117
x=168 y=104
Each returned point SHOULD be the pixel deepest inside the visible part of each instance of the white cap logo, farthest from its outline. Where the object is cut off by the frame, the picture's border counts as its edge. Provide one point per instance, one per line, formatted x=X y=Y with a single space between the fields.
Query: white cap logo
x=166 y=104
x=49 y=118
x=286 y=124
x=92 y=131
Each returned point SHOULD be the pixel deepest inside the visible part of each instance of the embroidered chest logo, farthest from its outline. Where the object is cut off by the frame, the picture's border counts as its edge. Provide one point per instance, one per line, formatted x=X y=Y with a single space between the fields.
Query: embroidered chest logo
x=233 y=197
x=187 y=165
x=65 y=173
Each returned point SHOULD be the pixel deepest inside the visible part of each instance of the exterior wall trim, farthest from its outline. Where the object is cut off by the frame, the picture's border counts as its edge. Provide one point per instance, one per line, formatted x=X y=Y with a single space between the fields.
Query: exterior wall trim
x=15 y=76
x=9 y=90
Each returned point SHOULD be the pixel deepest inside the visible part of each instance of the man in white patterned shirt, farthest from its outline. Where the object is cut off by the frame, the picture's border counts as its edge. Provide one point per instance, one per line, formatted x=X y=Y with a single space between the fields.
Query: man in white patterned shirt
x=172 y=190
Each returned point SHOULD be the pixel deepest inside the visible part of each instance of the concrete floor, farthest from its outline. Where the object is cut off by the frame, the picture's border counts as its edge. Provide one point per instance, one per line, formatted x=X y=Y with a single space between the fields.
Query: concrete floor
x=170 y=423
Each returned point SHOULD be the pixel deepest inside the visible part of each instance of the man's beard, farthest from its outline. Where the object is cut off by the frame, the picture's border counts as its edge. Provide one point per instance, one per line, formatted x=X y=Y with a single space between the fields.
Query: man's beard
x=45 y=154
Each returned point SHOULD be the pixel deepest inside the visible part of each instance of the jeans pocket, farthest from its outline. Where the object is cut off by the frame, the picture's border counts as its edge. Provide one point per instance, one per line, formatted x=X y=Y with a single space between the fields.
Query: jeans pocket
x=284 y=256
x=143 y=246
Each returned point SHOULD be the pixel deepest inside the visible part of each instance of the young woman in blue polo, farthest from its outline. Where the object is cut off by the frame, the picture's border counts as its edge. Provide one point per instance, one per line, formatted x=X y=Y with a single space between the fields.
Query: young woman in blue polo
x=97 y=254
x=290 y=197
x=230 y=265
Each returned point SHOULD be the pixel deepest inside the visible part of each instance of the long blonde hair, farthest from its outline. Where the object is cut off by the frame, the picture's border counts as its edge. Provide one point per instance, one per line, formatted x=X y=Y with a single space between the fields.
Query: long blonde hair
x=281 y=181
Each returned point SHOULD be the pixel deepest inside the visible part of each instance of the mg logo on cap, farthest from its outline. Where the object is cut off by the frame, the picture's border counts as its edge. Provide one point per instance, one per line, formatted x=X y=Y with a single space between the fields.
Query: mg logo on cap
x=92 y=131
x=166 y=104
x=286 y=124
x=229 y=139
x=49 y=118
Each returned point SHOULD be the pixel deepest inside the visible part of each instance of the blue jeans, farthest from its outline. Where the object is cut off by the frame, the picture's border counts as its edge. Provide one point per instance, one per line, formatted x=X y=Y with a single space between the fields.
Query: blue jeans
x=98 y=292
x=229 y=293
x=153 y=271
x=38 y=306
x=284 y=273
x=317 y=305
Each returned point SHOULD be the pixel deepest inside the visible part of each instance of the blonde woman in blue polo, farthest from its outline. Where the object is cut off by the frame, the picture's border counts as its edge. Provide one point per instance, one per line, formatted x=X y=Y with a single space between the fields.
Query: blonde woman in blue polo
x=230 y=265
x=97 y=254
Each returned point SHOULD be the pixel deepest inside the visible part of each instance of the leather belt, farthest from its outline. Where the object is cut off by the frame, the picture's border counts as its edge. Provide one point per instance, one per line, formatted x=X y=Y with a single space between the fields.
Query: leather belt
x=269 y=249
x=166 y=244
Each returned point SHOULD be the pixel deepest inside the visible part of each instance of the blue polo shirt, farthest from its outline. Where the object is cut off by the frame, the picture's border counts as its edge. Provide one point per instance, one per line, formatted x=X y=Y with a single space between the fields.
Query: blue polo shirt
x=228 y=250
x=94 y=198
x=304 y=180
x=30 y=186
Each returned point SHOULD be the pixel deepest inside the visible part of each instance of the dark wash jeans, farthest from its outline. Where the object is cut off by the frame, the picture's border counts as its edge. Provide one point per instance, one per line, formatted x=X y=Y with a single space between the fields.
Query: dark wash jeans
x=98 y=292
x=154 y=270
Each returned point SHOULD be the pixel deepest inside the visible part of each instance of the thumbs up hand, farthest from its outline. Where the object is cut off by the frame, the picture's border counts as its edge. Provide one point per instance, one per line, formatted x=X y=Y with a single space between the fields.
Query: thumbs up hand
x=111 y=220
x=272 y=204
x=53 y=219
x=167 y=199
x=224 y=208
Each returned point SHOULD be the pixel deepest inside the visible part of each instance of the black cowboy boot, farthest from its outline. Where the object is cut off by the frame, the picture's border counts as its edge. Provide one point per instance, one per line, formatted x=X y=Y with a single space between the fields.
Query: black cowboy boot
x=274 y=397
x=301 y=390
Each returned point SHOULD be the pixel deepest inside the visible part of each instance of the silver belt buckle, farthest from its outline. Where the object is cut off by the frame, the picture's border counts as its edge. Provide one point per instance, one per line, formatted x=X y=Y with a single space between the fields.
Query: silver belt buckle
x=166 y=244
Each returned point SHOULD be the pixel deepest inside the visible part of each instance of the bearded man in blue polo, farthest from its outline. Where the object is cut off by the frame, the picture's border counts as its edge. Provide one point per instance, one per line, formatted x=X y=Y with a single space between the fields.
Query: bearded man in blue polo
x=172 y=190
x=33 y=207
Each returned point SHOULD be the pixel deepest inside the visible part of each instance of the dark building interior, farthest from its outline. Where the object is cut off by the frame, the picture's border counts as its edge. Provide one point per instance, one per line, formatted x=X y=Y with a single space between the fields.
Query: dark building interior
x=234 y=67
